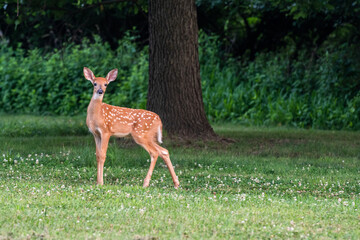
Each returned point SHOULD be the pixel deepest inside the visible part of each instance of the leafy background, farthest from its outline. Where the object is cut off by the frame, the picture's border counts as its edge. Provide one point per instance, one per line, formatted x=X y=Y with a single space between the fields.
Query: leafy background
x=262 y=62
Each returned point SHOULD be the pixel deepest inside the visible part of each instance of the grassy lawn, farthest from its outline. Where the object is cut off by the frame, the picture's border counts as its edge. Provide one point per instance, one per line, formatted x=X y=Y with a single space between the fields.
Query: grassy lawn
x=276 y=183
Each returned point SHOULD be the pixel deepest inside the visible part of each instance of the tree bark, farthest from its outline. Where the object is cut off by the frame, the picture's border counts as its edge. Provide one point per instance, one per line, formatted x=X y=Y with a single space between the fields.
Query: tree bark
x=174 y=72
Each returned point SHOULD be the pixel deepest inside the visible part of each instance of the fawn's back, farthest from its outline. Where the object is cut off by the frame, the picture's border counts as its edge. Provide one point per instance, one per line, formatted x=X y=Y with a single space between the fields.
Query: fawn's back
x=121 y=121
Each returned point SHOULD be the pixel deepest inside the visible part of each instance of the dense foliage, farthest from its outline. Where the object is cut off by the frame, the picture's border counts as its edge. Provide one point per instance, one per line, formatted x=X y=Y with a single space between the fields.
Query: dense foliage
x=285 y=62
x=247 y=26
x=54 y=82
x=320 y=93
x=275 y=89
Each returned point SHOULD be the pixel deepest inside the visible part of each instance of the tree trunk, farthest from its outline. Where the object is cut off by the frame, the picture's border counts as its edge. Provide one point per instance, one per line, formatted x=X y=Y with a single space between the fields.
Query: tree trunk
x=174 y=71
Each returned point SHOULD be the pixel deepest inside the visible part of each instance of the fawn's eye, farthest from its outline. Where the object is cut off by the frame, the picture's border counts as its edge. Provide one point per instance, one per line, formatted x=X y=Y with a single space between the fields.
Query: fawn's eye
x=95 y=84
x=105 y=84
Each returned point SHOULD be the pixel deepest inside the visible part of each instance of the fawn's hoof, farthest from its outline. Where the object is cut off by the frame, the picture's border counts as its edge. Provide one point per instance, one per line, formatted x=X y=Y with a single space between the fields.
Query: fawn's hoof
x=146 y=182
x=176 y=184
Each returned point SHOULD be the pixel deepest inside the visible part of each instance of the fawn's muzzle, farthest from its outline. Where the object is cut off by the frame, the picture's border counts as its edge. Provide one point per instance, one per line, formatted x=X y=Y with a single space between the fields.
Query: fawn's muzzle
x=100 y=91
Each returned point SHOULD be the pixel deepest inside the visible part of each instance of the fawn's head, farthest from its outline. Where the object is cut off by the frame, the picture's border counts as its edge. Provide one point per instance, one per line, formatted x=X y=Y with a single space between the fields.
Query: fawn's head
x=100 y=83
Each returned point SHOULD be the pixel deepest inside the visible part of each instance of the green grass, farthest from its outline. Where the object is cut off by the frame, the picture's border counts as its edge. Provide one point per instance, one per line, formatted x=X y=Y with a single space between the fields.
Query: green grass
x=273 y=183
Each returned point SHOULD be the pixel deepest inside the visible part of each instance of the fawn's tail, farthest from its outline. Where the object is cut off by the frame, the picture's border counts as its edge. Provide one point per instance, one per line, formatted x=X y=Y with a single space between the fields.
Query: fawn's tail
x=159 y=134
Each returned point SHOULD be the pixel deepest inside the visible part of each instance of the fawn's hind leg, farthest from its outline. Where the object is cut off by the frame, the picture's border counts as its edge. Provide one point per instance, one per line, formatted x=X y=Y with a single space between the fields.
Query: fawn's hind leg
x=154 y=156
x=164 y=154
x=153 y=152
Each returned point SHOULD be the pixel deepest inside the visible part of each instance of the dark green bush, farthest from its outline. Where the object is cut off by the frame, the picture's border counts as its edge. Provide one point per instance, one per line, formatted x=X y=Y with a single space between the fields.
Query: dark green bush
x=54 y=83
x=274 y=89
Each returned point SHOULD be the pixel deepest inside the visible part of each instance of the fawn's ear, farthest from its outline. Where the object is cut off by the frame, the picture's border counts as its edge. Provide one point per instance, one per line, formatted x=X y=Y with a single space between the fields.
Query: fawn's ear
x=111 y=76
x=89 y=74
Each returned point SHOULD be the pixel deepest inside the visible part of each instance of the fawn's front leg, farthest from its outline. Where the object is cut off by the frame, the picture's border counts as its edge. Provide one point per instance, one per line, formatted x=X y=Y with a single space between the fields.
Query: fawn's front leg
x=102 y=142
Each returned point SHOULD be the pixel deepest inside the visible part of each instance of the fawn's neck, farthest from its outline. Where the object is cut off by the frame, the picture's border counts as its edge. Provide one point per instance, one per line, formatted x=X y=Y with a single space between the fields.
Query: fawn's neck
x=94 y=108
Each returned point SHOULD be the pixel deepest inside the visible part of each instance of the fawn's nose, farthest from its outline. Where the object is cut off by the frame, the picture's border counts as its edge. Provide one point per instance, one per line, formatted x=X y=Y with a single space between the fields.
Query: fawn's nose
x=100 y=91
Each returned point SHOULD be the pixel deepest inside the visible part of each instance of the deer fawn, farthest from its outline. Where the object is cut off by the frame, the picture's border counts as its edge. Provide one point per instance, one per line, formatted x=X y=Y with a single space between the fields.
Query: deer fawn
x=105 y=120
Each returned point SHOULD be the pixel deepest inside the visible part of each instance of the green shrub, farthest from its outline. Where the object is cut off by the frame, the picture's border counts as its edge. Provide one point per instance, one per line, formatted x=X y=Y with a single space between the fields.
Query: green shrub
x=54 y=83
x=274 y=89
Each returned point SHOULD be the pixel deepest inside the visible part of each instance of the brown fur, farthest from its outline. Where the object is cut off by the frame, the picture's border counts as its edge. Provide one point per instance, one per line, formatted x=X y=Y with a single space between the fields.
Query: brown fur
x=105 y=120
